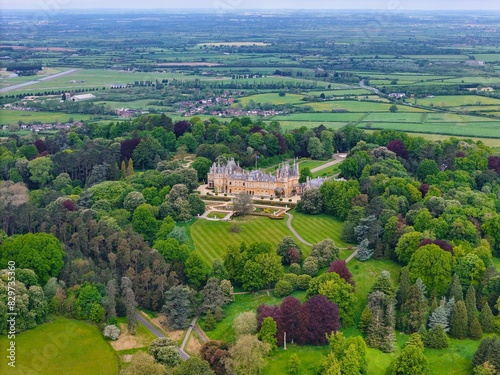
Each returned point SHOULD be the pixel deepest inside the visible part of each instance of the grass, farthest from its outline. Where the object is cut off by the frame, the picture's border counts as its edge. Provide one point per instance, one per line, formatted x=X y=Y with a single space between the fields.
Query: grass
x=13 y=117
x=458 y=100
x=62 y=346
x=142 y=334
x=218 y=215
x=273 y=98
x=314 y=228
x=311 y=163
x=310 y=358
x=359 y=106
x=212 y=238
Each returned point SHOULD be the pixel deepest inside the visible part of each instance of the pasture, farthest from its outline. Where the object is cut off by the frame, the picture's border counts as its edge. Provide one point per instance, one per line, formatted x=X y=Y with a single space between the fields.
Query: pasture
x=273 y=98
x=29 y=117
x=61 y=346
x=458 y=100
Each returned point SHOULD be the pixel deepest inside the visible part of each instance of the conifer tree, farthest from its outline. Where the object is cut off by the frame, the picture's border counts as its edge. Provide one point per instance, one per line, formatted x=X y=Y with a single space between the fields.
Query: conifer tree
x=404 y=287
x=123 y=170
x=130 y=167
x=210 y=321
x=414 y=310
x=268 y=331
x=475 y=330
x=458 y=324
x=364 y=321
x=486 y=319
x=439 y=317
x=455 y=289
x=436 y=338
x=470 y=304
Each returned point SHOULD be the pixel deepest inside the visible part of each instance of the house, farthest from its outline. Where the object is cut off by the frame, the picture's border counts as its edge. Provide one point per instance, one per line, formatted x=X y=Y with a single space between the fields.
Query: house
x=397 y=95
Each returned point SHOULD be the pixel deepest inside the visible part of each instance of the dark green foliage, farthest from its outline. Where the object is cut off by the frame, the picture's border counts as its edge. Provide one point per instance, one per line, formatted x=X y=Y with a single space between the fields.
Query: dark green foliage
x=283 y=288
x=475 y=330
x=458 y=323
x=180 y=306
x=325 y=252
x=380 y=332
x=384 y=284
x=486 y=319
x=268 y=331
x=284 y=247
x=455 y=289
x=366 y=318
x=194 y=366
x=404 y=286
x=436 y=338
x=210 y=322
x=414 y=310
x=488 y=351
x=470 y=304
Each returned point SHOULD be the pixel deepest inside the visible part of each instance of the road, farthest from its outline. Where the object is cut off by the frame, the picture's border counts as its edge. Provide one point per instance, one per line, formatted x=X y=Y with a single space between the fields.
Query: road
x=48 y=78
x=155 y=331
x=340 y=159
x=363 y=86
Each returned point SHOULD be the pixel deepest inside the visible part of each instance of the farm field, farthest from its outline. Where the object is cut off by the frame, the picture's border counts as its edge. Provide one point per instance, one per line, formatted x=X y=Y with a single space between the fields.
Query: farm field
x=27 y=117
x=5 y=81
x=458 y=100
x=62 y=346
x=272 y=98
x=135 y=104
x=359 y=106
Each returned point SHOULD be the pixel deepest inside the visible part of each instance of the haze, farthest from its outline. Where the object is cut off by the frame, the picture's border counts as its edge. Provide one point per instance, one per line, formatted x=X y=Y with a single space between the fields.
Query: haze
x=253 y=4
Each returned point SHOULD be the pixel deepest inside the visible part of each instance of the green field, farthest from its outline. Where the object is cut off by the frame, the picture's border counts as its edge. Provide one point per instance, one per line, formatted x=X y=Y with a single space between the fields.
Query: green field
x=273 y=98
x=311 y=163
x=28 y=117
x=458 y=100
x=62 y=346
x=359 y=106
x=5 y=81
x=314 y=228
x=212 y=238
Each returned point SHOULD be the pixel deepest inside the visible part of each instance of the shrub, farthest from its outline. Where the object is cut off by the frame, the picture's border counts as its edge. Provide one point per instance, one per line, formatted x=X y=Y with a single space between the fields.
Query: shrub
x=111 y=332
x=303 y=282
x=294 y=268
x=235 y=228
x=436 y=338
x=283 y=288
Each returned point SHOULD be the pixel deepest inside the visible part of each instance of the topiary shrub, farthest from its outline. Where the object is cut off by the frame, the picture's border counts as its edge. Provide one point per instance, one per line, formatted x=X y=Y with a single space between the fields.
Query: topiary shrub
x=283 y=288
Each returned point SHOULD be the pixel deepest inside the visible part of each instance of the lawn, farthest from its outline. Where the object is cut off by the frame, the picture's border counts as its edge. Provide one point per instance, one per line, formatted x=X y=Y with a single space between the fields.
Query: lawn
x=273 y=98
x=13 y=117
x=218 y=215
x=310 y=358
x=314 y=228
x=327 y=172
x=458 y=100
x=311 y=163
x=212 y=238
x=62 y=346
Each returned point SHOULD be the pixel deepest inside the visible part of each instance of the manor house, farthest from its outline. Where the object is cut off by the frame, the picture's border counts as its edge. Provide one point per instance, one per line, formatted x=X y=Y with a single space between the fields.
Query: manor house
x=232 y=179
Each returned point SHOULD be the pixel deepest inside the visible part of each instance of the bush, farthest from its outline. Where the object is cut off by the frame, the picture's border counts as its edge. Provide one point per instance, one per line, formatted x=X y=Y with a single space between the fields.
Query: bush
x=303 y=282
x=291 y=278
x=310 y=266
x=235 y=228
x=283 y=288
x=295 y=269
x=111 y=332
x=436 y=338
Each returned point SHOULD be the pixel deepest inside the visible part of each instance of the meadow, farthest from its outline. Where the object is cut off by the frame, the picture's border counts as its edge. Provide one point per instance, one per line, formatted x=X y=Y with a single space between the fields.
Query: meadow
x=28 y=117
x=458 y=100
x=61 y=346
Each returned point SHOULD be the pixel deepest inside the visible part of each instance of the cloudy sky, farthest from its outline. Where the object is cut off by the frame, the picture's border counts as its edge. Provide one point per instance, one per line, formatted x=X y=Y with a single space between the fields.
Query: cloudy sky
x=253 y=4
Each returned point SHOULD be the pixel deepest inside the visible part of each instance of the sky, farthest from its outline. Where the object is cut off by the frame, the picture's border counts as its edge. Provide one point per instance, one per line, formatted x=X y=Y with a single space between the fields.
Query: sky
x=391 y=5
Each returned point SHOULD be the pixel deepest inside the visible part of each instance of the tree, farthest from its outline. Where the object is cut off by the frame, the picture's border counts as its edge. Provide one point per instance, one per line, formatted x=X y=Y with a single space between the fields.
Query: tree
x=144 y=221
x=340 y=267
x=413 y=310
x=380 y=331
x=455 y=289
x=310 y=266
x=318 y=318
x=486 y=319
x=458 y=323
x=210 y=321
x=427 y=167
x=470 y=303
x=111 y=332
x=40 y=252
x=433 y=266
x=212 y=295
x=283 y=288
x=475 y=330
x=268 y=332
x=411 y=361
x=247 y=356
x=87 y=305
x=290 y=319
x=130 y=303
x=393 y=108
x=311 y=202
x=179 y=306
x=485 y=369
x=315 y=148
x=245 y=323
x=341 y=293
x=163 y=349
x=110 y=300
x=194 y=366
x=305 y=173
x=284 y=247
x=242 y=204
x=202 y=166
x=337 y=197
x=436 y=338
x=407 y=244
x=293 y=366
x=143 y=364
x=215 y=353
x=326 y=252
x=488 y=351
x=41 y=170
x=195 y=270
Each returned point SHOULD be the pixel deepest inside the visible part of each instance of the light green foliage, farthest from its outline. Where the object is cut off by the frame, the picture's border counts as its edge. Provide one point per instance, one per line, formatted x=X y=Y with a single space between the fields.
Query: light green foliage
x=337 y=197
x=194 y=366
x=411 y=361
x=245 y=323
x=40 y=252
x=195 y=270
x=247 y=356
x=144 y=221
x=293 y=366
x=433 y=266
x=283 y=288
x=164 y=351
x=326 y=252
x=41 y=170
x=88 y=304
x=458 y=323
x=407 y=245
x=268 y=331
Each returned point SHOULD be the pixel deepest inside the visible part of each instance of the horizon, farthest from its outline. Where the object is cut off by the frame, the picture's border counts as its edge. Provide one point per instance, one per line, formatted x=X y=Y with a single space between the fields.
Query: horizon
x=246 y=5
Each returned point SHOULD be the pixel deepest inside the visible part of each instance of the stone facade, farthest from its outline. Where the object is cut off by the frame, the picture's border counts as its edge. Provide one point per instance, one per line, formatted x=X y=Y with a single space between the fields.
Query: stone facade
x=232 y=179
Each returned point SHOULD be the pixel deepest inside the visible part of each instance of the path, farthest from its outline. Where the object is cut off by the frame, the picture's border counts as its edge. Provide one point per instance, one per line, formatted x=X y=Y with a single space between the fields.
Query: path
x=292 y=229
x=155 y=331
x=29 y=83
x=340 y=159
x=350 y=257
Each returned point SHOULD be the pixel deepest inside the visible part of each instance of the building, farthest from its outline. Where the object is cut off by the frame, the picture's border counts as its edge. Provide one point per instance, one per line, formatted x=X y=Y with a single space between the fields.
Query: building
x=232 y=179
x=79 y=98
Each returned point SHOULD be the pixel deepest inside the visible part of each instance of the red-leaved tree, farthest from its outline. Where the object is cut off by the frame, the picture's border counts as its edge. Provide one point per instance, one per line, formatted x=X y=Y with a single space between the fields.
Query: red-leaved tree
x=319 y=317
x=340 y=267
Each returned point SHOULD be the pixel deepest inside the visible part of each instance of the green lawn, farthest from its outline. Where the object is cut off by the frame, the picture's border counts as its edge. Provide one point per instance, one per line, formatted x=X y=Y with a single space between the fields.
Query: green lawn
x=310 y=358
x=359 y=106
x=327 y=172
x=13 y=117
x=458 y=100
x=311 y=163
x=273 y=98
x=314 y=228
x=212 y=238
x=62 y=346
